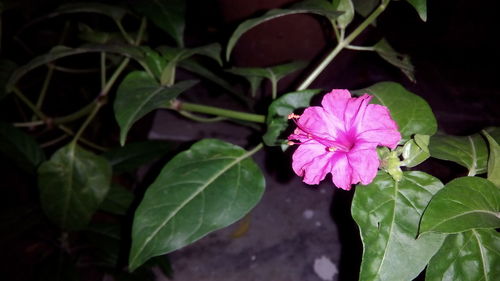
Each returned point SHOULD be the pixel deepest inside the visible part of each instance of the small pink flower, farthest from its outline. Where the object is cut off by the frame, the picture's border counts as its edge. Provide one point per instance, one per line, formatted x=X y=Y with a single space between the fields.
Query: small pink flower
x=340 y=137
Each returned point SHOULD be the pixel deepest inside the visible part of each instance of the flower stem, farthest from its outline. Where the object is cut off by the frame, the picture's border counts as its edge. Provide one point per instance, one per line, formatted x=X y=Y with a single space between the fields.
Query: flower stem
x=342 y=44
x=87 y=121
x=192 y=107
x=26 y=101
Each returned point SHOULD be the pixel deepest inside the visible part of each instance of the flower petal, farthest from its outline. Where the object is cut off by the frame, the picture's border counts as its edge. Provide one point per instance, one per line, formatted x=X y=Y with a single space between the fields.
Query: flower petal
x=316 y=121
x=341 y=171
x=378 y=127
x=340 y=104
x=311 y=161
x=364 y=163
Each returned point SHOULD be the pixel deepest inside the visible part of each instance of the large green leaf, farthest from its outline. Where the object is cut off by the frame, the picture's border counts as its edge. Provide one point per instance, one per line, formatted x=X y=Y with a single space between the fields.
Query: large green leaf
x=278 y=111
x=493 y=159
x=387 y=213
x=463 y=204
x=319 y=7
x=20 y=148
x=139 y=94
x=166 y=14
x=203 y=189
x=411 y=112
x=400 y=61
x=6 y=69
x=470 y=255
x=72 y=184
x=421 y=7
x=134 y=155
x=365 y=7
x=470 y=151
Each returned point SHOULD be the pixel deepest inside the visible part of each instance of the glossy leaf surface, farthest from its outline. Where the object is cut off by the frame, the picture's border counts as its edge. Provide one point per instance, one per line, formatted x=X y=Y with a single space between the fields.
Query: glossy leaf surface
x=400 y=61
x=470 y=151
x=463 y=204
x=415 y=151
x=205 y=188
x=20 y=148
x=72 y=185
x=388 y=213
x=166 y=14
x=493 y=159
x=278 y=111
x=309 y=6
x=470 y=255
x=140 y=94
x=412 y=113
x=421 y=7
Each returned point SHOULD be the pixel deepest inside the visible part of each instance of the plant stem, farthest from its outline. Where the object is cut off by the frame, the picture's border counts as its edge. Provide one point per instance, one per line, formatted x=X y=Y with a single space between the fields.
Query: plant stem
x=341 y=45
x=91 y=116
x=112 y=79
x=360 y=48
x=192 y=107
x=124 y=33
x=103 y=70
x=27 y=102
x=196 y=118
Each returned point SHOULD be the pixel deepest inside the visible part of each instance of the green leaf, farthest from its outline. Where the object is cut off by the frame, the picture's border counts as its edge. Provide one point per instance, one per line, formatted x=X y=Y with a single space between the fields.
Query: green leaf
x=411 y=112
x=6 y=69
x=277 y=116
x=212 y=51
x=494 y=132
x=205 y=188
x=167 y=15
x=139 y=94
x=415 y=151
x=319 y=7
x=105 y=239
x=470 y=255
x=493 y=159
x=400 y=61
x=347 y=8
x=463 y=204
x=134 y=155
x=115 y=12
x=388 y=213
x=20 y=148
x=59 y=52
x=72 y=184
x=365 y=7
x=117 y=201
x=86 y=33
x=421 y=7
x=470 y=151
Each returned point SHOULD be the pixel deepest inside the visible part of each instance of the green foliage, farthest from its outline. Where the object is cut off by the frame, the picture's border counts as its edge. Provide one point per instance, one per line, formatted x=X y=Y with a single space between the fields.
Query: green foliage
x=319 y=7
x=72 y=185
x=388 y=213
x=115 y=12
x=347 y=7
x=166 y=14
x=412 y=113
x=20 y=148
x=470 y=255
x=400 y=61
x=421 y=8
x=470 y=151
x=493 y=159
x=463 y=204
x=140 y=94
x=415 y=151
x=203 y=189
x=278 y=111
x=117 y=200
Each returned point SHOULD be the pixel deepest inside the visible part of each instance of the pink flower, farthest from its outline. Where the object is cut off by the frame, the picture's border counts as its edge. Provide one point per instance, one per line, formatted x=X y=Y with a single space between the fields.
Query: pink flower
x=340 y=137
